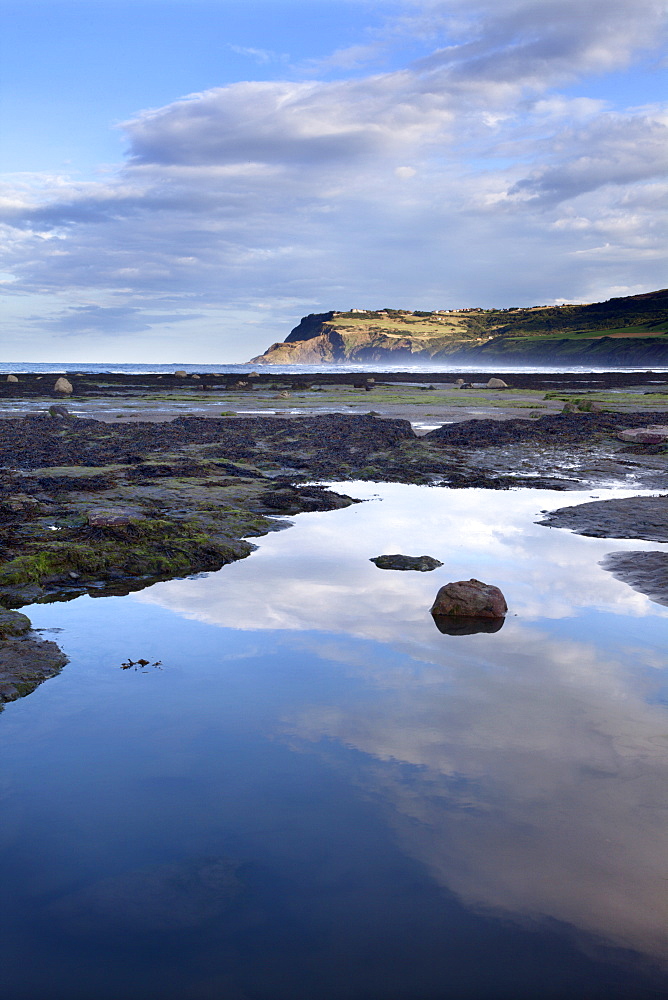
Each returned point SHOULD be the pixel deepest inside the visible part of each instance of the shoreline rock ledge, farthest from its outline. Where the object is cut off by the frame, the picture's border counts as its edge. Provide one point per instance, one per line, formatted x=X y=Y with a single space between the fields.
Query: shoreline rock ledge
x=469 y=599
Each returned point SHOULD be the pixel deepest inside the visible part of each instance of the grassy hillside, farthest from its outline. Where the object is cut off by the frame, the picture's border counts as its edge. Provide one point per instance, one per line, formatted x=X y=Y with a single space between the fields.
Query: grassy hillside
x=634 y=326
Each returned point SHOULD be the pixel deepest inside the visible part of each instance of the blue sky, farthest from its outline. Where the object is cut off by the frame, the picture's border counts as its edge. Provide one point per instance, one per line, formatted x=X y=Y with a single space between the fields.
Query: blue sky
x=183 y=181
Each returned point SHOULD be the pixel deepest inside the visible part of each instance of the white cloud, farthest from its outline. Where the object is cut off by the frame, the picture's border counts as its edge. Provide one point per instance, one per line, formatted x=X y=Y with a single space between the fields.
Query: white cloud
x=296 y=190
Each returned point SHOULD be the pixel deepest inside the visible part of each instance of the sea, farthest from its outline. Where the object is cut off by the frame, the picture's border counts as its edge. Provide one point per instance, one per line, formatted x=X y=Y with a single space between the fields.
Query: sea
x=132 y=368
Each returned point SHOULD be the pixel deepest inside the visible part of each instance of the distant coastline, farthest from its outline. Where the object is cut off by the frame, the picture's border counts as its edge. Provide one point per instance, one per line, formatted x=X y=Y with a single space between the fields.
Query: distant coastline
x=622 y=332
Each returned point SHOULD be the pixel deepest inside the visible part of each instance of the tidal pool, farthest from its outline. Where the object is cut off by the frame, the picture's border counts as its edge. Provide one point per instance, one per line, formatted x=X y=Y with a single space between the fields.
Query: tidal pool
x=309 y=792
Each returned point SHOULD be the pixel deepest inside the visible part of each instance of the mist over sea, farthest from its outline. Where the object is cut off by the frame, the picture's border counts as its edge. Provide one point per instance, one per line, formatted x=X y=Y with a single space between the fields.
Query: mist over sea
x=438 y=368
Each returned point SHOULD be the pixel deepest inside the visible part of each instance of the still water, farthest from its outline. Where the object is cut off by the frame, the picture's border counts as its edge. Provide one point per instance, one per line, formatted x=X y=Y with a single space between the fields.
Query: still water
x=310 y=792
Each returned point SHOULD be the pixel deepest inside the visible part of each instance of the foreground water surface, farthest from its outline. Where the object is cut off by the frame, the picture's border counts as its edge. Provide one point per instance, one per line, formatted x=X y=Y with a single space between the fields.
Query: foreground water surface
x=310 y=792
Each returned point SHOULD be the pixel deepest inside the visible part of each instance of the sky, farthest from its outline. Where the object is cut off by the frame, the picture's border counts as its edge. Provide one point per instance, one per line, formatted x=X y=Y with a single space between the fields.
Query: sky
x=182 y=181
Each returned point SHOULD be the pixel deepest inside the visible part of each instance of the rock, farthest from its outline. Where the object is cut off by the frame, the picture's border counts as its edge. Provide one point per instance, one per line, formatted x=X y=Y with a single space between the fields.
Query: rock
x=459 y=382
x=497 y=383
x=25 y=662
x=420 y=563
x=20 y=503
x=13 y=623
x=20 y=595
x=195 y=376
x=631 y=517
x=58 y=410
x=181 y=373
x=652 y=434
x=569 y=408
x=64 y=386
x=105 y=517
x=12 y=378
x=470 y=599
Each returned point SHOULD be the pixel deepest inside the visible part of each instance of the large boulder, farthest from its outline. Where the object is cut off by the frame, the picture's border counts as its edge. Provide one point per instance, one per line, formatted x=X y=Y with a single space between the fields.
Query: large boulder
x=470 y=599
x=497 y=383
x=422 y=564
x=12 y=378
x=64 y=386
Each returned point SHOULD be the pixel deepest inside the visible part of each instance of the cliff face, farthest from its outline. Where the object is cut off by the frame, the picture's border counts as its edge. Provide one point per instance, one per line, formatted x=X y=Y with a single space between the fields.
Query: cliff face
x=625 y=331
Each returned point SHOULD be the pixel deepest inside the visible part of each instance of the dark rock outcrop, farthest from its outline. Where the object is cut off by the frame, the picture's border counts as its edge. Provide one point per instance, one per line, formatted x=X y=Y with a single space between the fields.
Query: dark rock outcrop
x=26 y=660
x=633 y=517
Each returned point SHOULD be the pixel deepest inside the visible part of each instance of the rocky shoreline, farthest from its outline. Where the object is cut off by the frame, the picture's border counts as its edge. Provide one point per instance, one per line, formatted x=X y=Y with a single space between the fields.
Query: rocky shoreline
x=89 y=506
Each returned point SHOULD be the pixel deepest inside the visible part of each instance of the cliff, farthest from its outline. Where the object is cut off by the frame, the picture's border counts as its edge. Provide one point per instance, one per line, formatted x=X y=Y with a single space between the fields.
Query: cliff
x=622 y=331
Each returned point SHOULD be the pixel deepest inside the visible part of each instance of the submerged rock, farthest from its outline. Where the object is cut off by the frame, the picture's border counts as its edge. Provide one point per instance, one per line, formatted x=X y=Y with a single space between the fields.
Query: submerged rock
x=155 y=899
x=470 y=599
x=422 y=564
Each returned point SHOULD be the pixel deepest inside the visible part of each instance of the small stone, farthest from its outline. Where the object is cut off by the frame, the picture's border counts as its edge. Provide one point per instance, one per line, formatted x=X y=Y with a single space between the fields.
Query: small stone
x=181 y=374
x=105 y=517
x=195 y=376
x=63 y=385
x=58 y=410
x=471 y=599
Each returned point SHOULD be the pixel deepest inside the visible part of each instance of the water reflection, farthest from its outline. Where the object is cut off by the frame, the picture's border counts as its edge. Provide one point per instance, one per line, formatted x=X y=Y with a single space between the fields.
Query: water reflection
x=526 y=769
x=463 y=625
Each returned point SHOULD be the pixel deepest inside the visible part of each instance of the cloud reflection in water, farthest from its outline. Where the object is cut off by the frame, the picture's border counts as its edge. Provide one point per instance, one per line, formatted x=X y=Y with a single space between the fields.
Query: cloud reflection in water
x=526 y=769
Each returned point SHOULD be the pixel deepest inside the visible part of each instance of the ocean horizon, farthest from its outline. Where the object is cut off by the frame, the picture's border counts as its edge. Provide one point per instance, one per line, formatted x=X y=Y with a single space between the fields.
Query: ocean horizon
x=223 y=368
